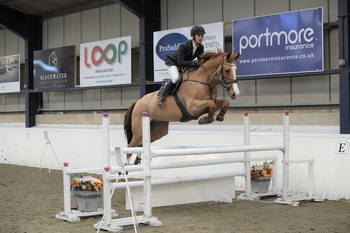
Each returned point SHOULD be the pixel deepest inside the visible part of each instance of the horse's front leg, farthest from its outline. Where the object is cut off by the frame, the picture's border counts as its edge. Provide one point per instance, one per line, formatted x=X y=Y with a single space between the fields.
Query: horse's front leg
x=206 y=119
x=223 y=104
x=212 y=107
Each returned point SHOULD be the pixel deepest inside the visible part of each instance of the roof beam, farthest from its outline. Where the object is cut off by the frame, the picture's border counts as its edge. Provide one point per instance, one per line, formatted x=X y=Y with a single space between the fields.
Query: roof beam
x=13 y=20
x=134 y=6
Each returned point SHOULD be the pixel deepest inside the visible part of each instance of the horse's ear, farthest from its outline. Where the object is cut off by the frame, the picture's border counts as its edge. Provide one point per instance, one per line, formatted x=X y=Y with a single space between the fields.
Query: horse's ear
x=237 y=56
x=228 y=55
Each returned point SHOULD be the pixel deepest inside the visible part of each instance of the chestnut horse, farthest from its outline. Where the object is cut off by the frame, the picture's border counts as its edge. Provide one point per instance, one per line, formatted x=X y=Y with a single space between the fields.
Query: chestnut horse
x=196 y=96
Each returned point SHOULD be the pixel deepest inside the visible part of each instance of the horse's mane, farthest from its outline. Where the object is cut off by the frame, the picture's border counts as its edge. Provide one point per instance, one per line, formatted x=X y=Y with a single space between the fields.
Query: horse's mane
x=212 y=55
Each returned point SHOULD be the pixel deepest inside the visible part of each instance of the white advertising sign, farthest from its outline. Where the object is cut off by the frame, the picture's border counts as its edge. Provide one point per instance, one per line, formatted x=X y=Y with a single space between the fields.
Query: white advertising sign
x=106 y=62
x=168 y=41
x=9 y=74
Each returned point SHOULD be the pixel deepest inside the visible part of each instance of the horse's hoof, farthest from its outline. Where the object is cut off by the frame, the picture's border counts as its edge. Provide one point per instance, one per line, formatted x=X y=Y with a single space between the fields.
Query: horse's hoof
x=209 y=120
x=219 y=118
x=137 y=161
x=200 y=121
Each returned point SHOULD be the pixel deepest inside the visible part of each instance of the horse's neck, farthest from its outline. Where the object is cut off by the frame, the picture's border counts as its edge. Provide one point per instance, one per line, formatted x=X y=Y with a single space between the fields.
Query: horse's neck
x=203 y=74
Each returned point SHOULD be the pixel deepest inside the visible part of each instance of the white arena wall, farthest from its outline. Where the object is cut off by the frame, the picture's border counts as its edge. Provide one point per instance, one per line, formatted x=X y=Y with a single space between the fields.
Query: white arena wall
x=81 y=146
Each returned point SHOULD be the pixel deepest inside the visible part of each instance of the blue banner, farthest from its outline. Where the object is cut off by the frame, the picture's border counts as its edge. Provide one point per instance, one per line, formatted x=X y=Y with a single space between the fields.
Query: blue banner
x=282 y=43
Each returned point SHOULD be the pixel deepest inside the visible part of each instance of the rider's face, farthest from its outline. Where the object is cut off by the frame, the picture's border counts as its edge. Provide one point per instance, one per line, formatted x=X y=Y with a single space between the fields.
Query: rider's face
x=198 y=38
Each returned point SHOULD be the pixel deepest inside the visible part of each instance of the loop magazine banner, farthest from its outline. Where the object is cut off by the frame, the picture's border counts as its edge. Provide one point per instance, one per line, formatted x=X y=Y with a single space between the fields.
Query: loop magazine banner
x=105 y=62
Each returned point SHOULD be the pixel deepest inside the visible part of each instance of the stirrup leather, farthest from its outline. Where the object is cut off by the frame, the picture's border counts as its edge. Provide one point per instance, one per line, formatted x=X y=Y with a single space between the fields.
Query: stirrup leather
x=160 y=101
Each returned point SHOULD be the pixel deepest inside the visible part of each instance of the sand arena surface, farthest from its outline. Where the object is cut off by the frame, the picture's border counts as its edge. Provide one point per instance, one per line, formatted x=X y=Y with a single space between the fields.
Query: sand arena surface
x=30 y=199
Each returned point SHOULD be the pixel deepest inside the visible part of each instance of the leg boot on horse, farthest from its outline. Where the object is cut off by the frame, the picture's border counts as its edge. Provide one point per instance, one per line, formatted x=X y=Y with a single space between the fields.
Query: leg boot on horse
x=161 y=98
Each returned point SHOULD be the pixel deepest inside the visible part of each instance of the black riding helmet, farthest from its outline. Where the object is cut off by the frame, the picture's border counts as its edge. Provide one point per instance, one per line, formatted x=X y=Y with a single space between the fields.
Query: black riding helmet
x=197 y=30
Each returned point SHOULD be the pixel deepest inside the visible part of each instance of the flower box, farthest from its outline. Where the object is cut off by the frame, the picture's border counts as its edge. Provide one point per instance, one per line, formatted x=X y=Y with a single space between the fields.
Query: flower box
x=260 y=177
x=261 y=184
x=87 y=200
x=87 y=191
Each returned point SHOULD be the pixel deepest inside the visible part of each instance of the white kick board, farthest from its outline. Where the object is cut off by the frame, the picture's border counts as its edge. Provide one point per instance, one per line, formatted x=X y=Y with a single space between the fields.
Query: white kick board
x=217 y=189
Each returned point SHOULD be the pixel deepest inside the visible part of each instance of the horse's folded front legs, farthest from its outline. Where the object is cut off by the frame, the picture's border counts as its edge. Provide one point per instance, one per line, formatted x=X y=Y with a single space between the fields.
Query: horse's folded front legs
x=220 y=116
x=206 y=120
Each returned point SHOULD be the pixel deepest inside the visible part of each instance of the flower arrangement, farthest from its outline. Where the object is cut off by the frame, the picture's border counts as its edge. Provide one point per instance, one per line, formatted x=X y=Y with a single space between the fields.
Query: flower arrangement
x=86 y=183
x=264 y=170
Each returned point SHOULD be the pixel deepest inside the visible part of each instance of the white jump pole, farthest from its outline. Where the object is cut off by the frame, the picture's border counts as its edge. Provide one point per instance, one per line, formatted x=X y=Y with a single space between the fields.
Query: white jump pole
x=107 y=207
x=105 y=141
x=311 y=177
x=66 y=189
x=146 y=140
x=106 y=165
x=213 y=150
x=274 y=177
x=285 y=155
x=246 y=125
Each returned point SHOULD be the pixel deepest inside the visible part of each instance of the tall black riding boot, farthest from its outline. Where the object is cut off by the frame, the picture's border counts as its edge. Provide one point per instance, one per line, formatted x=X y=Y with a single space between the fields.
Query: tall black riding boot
x=161 y=98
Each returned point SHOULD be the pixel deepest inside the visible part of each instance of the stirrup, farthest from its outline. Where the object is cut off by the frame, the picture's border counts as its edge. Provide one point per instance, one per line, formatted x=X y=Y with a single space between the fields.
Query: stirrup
x=160 y=101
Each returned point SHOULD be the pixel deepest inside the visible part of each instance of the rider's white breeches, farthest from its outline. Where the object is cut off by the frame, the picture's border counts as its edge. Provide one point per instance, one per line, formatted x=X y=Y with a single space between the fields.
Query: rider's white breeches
x=173 y=73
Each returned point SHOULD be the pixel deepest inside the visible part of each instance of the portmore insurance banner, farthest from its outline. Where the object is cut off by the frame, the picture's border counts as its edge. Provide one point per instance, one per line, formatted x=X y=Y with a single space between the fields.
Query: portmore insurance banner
x=168 y=41
x=290 y=42
x=10 y=74
x=54 y=68
x=106 y=62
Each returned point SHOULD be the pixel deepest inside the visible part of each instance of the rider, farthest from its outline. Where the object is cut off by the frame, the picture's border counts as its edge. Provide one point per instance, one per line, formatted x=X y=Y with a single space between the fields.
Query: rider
x=183 y=57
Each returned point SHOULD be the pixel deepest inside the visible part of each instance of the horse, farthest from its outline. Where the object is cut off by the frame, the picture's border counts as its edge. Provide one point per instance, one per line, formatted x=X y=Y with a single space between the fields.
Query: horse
x=196 y=96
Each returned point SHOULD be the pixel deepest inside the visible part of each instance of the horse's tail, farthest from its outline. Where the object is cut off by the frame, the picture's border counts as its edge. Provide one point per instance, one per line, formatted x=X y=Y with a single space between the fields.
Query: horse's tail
x=128 y=123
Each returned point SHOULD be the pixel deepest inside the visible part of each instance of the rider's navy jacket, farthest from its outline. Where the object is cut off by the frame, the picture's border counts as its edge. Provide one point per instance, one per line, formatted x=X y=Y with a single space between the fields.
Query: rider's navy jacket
x=183 y=56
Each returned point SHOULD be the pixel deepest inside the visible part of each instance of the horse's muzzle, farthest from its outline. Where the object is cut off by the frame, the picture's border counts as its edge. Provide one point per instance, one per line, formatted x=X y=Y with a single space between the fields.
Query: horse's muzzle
x=233 y=96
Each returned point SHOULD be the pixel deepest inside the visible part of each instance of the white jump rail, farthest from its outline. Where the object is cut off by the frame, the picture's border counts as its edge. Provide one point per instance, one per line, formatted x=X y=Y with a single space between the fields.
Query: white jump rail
x=146 y=167
x=111 y=173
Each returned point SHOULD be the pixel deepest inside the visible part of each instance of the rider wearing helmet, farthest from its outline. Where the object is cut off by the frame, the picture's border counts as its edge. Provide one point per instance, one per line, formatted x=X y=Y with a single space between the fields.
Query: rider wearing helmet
x=182 y=58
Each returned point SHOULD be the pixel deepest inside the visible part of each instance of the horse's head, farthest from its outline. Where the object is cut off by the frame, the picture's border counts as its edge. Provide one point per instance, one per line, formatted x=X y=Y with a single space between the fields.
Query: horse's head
x=222 y=68
x=228 y=74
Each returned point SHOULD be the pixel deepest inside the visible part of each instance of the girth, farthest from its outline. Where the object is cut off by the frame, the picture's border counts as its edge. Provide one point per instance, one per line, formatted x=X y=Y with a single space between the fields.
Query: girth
x=185 y=115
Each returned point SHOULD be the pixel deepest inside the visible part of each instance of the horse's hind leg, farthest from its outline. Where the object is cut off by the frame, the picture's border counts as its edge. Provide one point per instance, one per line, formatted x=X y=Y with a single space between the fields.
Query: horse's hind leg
x=137 y=159
x=158 y=130
x=136 y=141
